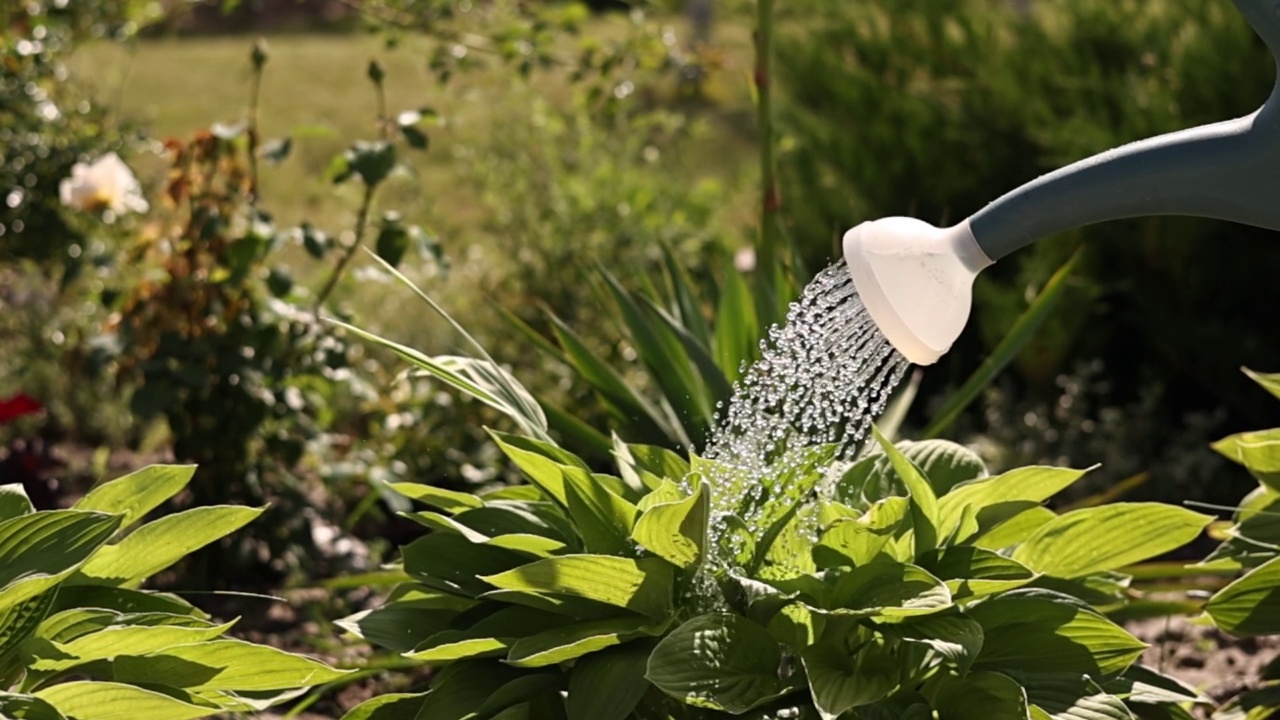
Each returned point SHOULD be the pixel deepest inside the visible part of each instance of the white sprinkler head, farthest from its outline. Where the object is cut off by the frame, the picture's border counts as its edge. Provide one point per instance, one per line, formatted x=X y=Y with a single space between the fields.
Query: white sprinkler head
x=916 y=281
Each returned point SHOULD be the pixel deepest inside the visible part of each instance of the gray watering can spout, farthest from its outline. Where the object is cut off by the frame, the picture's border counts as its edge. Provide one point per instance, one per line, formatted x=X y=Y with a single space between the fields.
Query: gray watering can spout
x=915 y=279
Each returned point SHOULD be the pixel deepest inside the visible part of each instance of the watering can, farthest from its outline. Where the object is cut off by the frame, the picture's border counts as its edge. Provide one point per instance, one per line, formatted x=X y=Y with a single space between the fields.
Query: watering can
x=916 y=280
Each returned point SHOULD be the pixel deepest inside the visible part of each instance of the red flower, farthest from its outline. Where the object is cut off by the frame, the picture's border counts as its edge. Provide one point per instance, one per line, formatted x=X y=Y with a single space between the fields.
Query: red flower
x=12 y=408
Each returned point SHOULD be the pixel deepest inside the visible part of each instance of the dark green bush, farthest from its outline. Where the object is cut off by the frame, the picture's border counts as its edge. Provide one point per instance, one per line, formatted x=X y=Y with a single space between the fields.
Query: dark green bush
x=933 y=109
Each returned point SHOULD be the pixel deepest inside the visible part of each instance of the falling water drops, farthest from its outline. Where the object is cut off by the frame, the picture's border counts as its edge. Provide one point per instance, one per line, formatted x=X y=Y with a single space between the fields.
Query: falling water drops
x=822 y=378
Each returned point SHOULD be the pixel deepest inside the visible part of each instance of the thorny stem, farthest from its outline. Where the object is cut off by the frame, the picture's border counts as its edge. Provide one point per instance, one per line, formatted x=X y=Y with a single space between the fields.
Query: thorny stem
x=766 y=251
x=362 y=220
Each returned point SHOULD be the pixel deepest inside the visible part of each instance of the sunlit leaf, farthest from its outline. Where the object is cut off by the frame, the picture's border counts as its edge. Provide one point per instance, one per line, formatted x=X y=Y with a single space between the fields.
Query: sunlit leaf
x=644 y=586
x=718 y=661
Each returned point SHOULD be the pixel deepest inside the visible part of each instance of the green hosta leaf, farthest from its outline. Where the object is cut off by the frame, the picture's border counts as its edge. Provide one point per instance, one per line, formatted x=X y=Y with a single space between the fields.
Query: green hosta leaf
x=539 y=469
x=1040 y=631
x=720 y=661
x=39 y=550
x=956 y=638
x=845 y=673
x=114 y=701
x=122 y=600
x=14 y=501
x=70 y=624
x=1015 y=530
x=137 y=494
x=450 y=501
x=459 y=690
x=532 y=545
x=572 y=641
x=1269 y=381
x=883 y=590
x=449 y=562
x=159 y=544
x=644 y=586
x=110 y=642
x=490 y=637
x=607 y=685
x=1146 y=686
x=520 y=517
x=986 y=695
x=518 y=691
x=999 y=498
x=603 y=519
x=390 y=706
x=567 y=605
x=660 y=461
x=666 y=492
x=857 y=542
x=1260 y=704
x=975 y=572
x=1111 y=536
x=1259 y=451
x=18 y=622
x=1250 y=606
x=398 y=626
x=226 y=665
x=1071 y=696
x=924 y=503
x=26 y=707
x=444 y=524
x=676 y=531
x=945 y=463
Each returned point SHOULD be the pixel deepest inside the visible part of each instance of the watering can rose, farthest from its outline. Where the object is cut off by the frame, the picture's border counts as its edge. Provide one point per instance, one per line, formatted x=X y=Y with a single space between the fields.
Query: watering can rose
x=106 y=185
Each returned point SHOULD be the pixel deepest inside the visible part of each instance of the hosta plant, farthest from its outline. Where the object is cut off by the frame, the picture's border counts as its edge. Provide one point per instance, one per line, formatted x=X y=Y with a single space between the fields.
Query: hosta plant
x=1250 y=606
x=80 y=640
x=921 y=587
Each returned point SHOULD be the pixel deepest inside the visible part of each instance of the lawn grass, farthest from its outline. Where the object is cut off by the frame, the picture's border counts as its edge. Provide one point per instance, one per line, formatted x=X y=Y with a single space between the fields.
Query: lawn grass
x=315 y=90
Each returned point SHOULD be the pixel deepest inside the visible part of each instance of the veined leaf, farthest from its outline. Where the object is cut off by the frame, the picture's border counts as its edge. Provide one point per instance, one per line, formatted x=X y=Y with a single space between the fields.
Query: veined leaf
x=226 y=665
x=924 y=503
x=1269 y=381
x=565 y=643
x=539 y=469
x=110 y=642
x=1259 y=451
x=1111 y=536
x=388 y=706
x=1015 y=530
x=447 y=561
x=1040 y=631
x=1143 y=685
x=14 y=501
x=450 y=501
x=956 y=638
x=975 y=572
x=1250 y=606
x=115 y=701
x=159 y=544
x=18 y=622
x=987 y=695
x=843 y=675
x=858 y=542
x=490 y=637
x=999 y=498
x=676 y=531
x=40 y=550
x=719 y=661
x=660 y=461
x=607 y=685
x=398 y=626
x=567 y=605
x=1071 y=696
x=883 y=590
x=603 y=519
x=644 y=586
x=138 y=493
x=122 y=600
x=27 y=707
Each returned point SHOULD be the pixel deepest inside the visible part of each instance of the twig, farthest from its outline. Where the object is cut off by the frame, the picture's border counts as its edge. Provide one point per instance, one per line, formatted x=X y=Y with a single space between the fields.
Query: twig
x=362 y=220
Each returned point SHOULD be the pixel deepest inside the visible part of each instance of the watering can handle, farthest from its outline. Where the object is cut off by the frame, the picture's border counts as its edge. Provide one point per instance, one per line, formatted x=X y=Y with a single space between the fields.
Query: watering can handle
x=1227 y=171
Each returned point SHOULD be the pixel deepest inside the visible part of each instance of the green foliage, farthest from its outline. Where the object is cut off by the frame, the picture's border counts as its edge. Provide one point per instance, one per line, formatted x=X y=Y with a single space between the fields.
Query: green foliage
x=79 y=640
x=927 y=582
x=935 y=108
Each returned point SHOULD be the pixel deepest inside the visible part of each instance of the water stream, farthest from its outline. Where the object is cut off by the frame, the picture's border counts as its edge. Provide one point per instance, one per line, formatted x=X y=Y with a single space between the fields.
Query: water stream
x=823 y=377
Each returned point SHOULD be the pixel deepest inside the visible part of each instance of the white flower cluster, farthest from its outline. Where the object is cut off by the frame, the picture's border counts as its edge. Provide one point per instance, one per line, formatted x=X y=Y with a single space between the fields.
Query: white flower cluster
x=107 y=186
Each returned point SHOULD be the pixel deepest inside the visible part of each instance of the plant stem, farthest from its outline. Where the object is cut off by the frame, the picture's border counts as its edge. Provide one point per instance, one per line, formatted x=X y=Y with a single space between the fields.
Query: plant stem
x=766 y=250
x=255 y=95
x=362 y=220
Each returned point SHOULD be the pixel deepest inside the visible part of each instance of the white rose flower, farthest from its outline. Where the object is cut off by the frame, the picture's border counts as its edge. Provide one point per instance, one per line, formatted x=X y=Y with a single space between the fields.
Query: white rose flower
x=107 y=185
